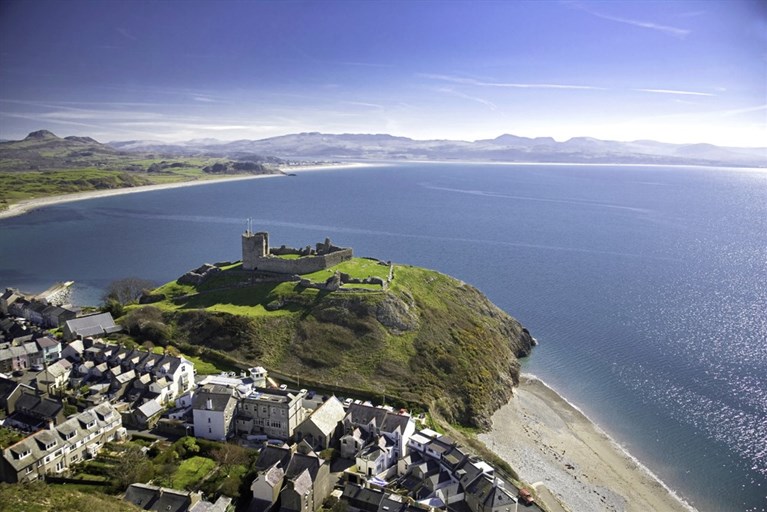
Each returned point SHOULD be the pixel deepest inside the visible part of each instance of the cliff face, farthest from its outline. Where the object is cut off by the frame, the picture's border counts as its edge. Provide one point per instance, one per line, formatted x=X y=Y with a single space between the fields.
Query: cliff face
x=430 y=339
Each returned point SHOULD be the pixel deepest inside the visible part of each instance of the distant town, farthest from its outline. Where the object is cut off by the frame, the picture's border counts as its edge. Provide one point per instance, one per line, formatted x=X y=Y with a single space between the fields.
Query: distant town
x=146 y=424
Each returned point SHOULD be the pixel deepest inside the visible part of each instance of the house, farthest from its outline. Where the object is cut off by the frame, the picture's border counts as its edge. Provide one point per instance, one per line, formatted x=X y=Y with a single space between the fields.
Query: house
x=323 y=427
x=298 y=477
x=55 y=316
x=213 y=410
x=377 y=437
x=487 y=494
x=147 y=414
x=163 y=499
x=55 y=377
x=91 y=325
x=50 y=348
x=19 y=357
x=33 y=411
x=361 y=498
x=10 y=391
x=273 y=412
x=306 y=481
x=54 y=449
x=270 y=471
x=73 y=352
x=8 y=297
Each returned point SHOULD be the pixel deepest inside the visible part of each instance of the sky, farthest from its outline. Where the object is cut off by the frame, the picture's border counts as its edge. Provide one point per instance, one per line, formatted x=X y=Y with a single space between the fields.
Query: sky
x=672 y=71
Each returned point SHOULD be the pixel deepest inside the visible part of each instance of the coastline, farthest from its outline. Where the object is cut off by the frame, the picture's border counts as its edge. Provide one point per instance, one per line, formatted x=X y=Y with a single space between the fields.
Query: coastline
x=29 y=205
x=561 y=452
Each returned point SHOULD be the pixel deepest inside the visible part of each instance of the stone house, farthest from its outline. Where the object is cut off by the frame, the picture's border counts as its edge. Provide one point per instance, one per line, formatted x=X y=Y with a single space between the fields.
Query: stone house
x=213 y=412
x=10 y=391
x=273 y=412
x=8 y=297
x=32 y=411
x=55 y=449
x=297 y=477
x=324 y=426
x=55 y=316
x=73 y=351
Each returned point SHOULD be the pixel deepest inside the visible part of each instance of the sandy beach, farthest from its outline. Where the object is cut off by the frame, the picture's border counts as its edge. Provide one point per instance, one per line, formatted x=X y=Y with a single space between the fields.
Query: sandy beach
x=555 y=447
x=28 y=205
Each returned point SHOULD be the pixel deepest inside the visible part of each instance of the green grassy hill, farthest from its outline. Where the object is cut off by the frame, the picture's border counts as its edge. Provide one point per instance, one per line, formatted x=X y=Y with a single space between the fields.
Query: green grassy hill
x=428 y=339
x=39 y=497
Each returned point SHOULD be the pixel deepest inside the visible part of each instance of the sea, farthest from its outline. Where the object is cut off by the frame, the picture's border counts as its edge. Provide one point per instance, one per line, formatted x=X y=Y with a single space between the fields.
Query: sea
x=646 y=286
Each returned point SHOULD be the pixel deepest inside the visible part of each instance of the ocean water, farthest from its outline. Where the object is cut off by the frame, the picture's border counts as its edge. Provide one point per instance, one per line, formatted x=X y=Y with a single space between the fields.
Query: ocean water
x=646 y=286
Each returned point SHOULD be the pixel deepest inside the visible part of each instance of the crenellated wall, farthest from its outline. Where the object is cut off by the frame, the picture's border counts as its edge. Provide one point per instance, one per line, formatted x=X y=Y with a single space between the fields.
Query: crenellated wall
x=257 y=255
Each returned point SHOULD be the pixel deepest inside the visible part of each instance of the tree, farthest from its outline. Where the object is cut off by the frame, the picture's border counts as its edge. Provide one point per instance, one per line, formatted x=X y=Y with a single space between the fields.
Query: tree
x=230 y=455
x=126 y=290
x=133 y=467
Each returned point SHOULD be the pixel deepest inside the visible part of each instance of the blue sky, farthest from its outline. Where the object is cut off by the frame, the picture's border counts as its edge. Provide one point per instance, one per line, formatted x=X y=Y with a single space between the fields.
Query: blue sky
x=174 y=70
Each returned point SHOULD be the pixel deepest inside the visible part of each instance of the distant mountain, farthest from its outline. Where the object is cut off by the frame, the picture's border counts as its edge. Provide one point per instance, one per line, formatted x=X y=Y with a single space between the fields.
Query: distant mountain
x=507 y=148
x=42 y=150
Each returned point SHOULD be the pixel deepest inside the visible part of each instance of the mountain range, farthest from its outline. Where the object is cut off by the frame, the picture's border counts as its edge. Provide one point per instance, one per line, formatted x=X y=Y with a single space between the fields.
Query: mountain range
x=506 y=148
x=44 y=150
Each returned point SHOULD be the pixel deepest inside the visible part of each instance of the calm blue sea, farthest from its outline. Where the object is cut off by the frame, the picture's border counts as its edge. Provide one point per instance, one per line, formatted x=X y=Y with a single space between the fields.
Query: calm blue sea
x=646 y=286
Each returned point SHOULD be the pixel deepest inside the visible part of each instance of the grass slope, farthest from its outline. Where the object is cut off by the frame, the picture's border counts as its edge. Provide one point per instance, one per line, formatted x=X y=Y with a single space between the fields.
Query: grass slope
x=40 y=497
x=430 y=339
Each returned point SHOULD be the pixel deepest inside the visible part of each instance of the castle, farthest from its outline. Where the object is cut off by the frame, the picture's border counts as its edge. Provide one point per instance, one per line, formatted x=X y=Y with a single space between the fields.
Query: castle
x=257 y=255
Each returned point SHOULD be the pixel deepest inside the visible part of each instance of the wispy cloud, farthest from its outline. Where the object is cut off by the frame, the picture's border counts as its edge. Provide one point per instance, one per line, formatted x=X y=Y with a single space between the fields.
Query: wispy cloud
x=746 y=110
x=459 y=94
x=510 y=85
x=680 y=33
x=124 y=32
x=674 y=91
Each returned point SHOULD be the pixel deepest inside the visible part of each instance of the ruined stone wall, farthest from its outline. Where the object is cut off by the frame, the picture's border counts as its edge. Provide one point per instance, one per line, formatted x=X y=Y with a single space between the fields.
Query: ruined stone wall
x=303 y=265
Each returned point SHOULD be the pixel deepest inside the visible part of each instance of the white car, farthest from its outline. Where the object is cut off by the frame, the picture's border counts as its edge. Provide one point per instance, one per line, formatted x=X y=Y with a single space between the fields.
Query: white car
x=36 y=368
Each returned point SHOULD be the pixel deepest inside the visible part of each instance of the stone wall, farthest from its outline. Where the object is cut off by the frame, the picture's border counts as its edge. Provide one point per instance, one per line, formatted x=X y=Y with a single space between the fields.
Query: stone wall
x=302 y=265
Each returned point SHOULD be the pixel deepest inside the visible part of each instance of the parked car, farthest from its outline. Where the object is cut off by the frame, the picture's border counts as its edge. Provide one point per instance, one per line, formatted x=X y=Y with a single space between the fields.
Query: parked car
x=36 y=368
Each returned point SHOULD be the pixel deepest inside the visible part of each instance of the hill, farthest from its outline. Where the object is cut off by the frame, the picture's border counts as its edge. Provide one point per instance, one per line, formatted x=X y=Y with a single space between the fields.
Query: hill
x=40 y=497
x=426 y=340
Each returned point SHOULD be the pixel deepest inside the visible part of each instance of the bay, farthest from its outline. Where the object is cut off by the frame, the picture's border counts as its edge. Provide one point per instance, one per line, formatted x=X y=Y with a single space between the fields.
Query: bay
x=646 y=286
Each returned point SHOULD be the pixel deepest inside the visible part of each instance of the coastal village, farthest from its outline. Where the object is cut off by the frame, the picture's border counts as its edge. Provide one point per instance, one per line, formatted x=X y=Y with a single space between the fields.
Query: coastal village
x=77 y=408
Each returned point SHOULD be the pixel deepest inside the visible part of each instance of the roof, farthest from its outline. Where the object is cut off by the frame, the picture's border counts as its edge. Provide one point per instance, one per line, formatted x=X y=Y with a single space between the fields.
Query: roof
x=47 y=342
x=386 y=421
x=150 y=408
x=160 y=499
x=91 y=324
x=328 y=415
x=272 y=455
x=219 y=396
x=363 y=498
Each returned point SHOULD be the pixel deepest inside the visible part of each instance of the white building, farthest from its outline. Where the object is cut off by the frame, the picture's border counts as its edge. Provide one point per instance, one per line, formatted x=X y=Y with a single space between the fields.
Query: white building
x=213 y=411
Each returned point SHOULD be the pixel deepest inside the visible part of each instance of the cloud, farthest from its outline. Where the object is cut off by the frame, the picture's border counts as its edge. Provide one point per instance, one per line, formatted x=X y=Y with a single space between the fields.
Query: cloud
x=673 y=91
x=124 y=32
x=453 y=92
x=511 y=85
x=680 y=33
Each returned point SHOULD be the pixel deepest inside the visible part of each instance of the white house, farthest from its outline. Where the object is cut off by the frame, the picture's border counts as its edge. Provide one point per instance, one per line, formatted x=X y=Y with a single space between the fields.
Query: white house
x=213 y=410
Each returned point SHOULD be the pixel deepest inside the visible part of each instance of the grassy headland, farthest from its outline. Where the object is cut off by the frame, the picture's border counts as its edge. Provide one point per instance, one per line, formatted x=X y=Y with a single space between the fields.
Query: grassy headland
x=428 y=340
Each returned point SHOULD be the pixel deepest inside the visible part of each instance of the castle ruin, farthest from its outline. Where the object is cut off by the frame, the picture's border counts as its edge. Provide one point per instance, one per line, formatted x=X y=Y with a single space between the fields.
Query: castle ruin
x=257 y=255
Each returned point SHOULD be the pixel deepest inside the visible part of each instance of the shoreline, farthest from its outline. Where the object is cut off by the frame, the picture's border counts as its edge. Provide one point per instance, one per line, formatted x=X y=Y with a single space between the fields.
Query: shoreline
x=28 y=205
x=554 y=446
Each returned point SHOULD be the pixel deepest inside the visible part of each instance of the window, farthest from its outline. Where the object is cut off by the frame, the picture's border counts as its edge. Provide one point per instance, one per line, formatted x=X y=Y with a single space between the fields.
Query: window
x=208 y=420
x=210 y=430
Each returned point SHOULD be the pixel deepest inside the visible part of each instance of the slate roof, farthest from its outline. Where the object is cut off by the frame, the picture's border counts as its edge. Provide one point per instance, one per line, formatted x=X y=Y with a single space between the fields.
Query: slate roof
x=386 y=421
x=328 y=415
x=272 y=455
x=47 y=342
x=160 y=499
x=219 y=396
x=150 y=408
x=41 y=407
x=92 y=325
x=363 y=498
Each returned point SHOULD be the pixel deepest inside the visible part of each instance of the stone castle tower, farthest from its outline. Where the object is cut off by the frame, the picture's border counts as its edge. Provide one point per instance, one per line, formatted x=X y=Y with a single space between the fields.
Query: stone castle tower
x=254 y=246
